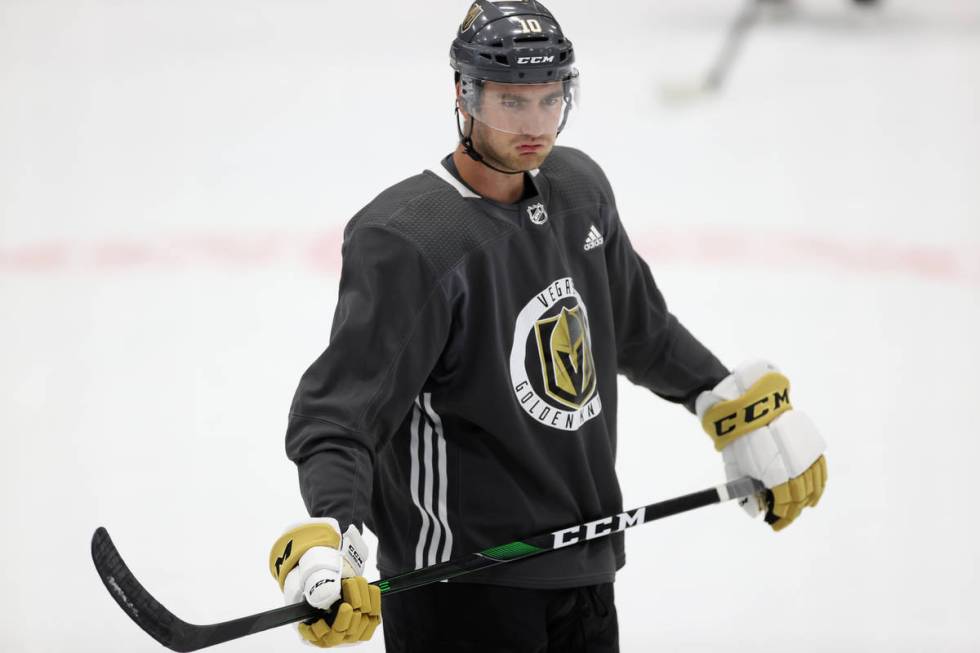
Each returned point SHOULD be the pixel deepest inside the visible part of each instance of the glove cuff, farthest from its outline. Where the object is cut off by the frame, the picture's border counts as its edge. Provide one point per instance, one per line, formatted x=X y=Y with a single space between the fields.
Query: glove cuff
x=727 y=420
x=354 y=552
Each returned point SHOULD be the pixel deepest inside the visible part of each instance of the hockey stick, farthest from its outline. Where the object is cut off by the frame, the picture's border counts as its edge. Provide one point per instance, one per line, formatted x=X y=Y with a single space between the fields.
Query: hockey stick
x=179 y=635
x=715 y=78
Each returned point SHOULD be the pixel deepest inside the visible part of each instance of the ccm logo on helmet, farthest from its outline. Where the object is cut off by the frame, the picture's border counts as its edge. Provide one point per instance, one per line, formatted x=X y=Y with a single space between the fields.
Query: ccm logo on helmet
x=524 y=60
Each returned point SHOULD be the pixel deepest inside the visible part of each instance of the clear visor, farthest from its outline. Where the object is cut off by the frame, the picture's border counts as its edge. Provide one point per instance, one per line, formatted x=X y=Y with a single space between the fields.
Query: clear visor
x=529 y=109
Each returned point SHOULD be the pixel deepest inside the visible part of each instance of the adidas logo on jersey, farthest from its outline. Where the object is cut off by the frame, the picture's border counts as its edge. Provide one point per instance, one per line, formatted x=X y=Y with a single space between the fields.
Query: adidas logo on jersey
x=594 y=239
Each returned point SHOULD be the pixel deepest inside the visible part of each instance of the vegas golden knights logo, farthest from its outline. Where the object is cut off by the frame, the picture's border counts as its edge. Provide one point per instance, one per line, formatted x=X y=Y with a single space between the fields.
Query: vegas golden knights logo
x=552 y=365
x=567 y=368
x=471 y=17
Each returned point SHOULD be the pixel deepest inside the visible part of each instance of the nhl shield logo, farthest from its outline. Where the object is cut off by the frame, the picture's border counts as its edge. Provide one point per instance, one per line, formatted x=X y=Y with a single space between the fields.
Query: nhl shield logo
x=537 y=214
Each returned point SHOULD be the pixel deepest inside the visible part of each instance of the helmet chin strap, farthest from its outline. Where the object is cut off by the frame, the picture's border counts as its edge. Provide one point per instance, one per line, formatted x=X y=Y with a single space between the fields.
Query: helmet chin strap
x=467 y=142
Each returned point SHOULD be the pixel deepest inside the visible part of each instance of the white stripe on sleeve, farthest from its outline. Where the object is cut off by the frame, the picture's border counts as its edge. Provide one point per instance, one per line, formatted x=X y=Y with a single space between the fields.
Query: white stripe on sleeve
x=414 y=482
x=447 y=547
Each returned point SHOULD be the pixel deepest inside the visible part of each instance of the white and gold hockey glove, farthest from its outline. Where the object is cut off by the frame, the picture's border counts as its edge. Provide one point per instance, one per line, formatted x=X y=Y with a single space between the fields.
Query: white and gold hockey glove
x=752 y=423
x=311 y=560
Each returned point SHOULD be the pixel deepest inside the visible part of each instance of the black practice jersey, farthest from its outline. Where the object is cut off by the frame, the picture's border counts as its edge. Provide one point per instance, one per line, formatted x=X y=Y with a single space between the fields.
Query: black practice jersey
x=467 y=396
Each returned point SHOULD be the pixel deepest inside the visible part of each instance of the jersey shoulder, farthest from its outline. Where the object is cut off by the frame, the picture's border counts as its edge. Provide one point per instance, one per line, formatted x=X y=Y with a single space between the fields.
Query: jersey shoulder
x=431 y=215
x=576 y=176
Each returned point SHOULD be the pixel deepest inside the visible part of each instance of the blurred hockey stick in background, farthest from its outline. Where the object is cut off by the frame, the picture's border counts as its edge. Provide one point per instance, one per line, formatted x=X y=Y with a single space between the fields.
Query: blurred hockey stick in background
x=713 y=80
x=178 y=635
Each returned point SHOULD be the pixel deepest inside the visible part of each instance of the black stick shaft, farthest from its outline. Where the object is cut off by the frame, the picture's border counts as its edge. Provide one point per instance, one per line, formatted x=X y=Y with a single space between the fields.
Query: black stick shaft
x=179 y=635
x=551 y=541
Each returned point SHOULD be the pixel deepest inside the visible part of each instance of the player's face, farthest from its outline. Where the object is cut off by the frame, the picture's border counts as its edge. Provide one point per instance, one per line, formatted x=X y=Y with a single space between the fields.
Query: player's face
x=517 y=124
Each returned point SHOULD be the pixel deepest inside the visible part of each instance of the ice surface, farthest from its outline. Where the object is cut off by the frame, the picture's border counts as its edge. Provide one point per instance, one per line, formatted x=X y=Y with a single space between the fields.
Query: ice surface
x=174 y=178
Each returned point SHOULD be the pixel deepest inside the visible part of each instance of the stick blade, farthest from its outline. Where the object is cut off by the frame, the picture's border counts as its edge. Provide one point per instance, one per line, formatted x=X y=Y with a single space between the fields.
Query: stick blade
x=156 y=620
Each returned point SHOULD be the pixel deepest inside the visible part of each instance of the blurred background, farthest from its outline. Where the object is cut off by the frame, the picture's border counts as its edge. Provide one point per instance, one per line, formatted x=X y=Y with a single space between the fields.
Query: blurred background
x=174 y=181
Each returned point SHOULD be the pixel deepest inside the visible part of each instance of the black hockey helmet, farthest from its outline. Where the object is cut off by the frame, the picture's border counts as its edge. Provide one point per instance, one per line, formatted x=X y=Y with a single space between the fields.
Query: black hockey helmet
x=515 y=69
x=516 y=42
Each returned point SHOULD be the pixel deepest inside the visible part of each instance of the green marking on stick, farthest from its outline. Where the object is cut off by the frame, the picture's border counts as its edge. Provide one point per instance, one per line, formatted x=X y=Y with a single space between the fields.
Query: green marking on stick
x=510 y=551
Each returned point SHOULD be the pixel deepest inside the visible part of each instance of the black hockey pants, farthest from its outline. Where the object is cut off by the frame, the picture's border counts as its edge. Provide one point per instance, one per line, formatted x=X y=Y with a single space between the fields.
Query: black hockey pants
x=471 y=618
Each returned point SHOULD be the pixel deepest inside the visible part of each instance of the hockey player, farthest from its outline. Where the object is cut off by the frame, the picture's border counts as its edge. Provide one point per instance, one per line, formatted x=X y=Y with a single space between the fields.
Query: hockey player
x=468 y=392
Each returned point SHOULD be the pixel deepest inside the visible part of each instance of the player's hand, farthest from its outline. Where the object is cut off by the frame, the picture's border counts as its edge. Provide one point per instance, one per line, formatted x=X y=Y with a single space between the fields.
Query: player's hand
x=752 y=423
x=312 y=560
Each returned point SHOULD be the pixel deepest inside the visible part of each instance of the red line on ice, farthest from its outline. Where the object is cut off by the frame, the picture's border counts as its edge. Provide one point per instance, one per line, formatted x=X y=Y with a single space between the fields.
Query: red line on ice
x=320 y=251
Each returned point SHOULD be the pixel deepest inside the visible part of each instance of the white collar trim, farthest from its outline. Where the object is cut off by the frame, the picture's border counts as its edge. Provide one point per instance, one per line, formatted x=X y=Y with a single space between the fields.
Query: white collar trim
x=441 y=172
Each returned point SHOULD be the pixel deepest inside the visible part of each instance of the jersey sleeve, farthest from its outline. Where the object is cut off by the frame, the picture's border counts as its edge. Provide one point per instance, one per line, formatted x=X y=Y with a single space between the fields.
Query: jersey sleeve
x=389 y=329
x=654 y=349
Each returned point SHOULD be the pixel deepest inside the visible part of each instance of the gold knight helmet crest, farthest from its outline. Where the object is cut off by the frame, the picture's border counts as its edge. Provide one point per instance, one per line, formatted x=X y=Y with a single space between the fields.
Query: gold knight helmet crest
x=567 y=365
x=471 y=16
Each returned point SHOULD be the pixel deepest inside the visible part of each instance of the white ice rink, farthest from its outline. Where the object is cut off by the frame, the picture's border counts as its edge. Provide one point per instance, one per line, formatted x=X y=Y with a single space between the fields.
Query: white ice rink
x=174 y=179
